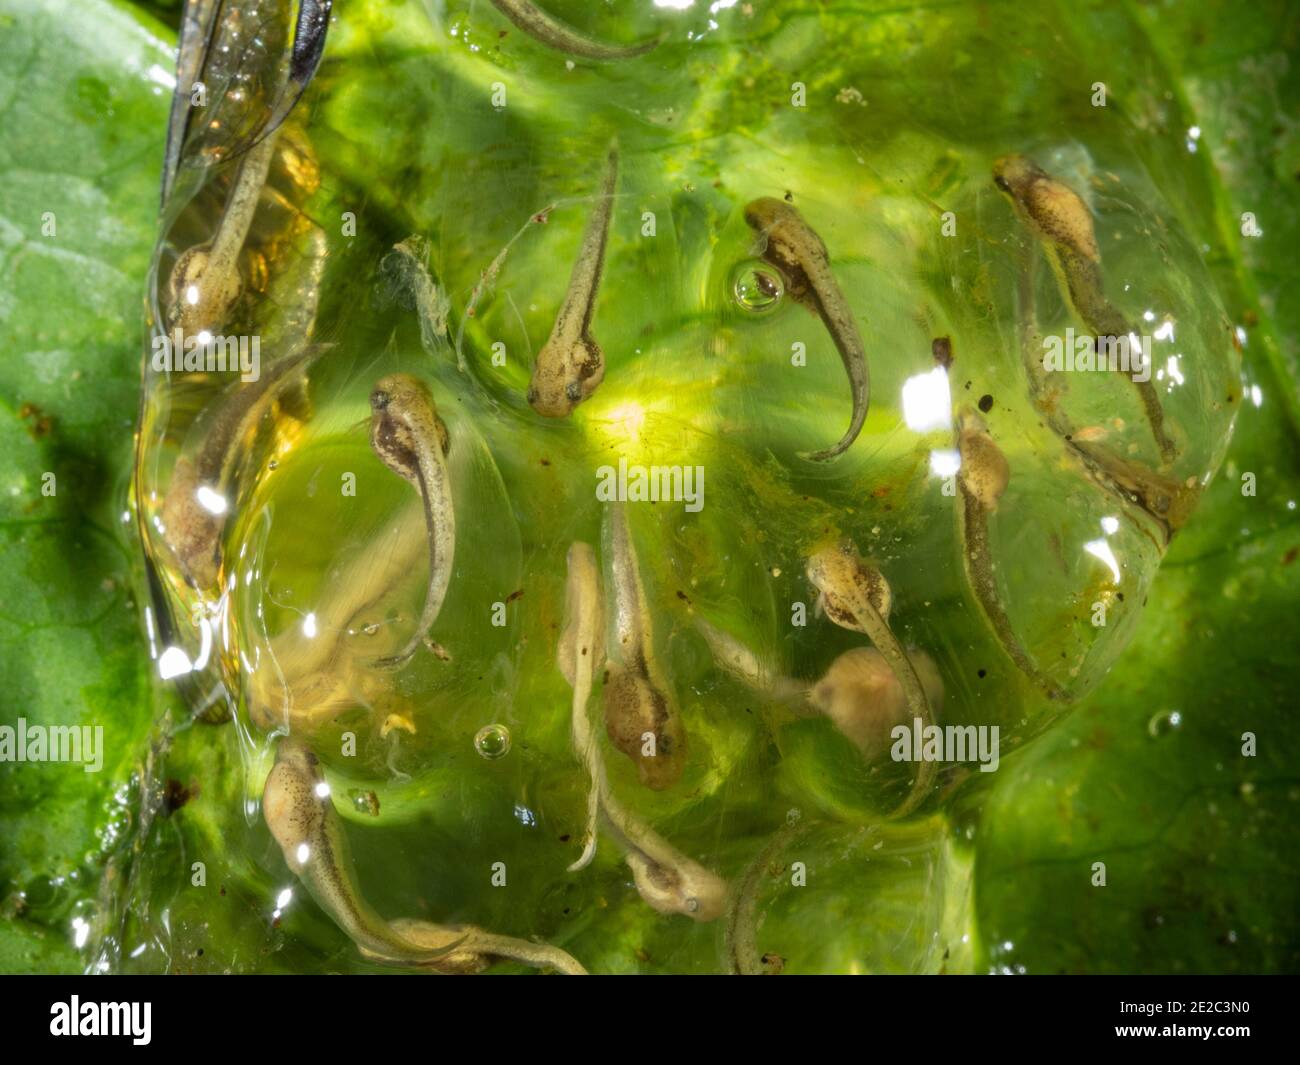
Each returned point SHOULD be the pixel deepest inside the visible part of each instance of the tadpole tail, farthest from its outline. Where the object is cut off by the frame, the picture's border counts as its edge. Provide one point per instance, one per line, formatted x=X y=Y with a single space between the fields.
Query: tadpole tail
x=849 y=343
x=850 y=434
x=553 y=33
x=978 y=564
x=880 y=634
x=535 y=955
x=1156 y=419
x=741 y=933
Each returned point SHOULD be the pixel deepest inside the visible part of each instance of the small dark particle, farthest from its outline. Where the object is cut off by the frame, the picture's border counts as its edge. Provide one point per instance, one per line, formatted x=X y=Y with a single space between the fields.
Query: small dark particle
x=986 y=403
x=41 y=423
x=565 y=838
x=967 y=386
x=517 y=593
x=941 y=349
x=545 y=462
x=789 y=196
x=175 y=795
x=1290 y=556
x=982 y=674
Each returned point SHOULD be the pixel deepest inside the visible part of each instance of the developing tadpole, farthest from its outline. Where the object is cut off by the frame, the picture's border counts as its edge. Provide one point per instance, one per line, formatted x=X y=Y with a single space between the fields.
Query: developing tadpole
x=410 y=438
x=580 y=652
x=666 y=879
x=1061 y=221
x=856 y=596
x=571 y=364
x=198 y=499
x=206 y=283
x=794 y=248
x=299 y=811
x=983 y=477
x=642 y=718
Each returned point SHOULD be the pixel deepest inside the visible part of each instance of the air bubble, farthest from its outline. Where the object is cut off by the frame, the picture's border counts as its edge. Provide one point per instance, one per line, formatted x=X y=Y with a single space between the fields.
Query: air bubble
x=1164 y=722
x=365 y=802
x=492 y=741
x=757 y=287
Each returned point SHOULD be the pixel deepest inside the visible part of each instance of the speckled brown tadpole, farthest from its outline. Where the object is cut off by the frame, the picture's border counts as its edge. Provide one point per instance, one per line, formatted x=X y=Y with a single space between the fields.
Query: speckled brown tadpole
x=855 y=595
x=985 y=474
x=410 y=438
x=641 y=715
x=1063 y=224
x=791 y=245
x=300 y=814
x=571 y=364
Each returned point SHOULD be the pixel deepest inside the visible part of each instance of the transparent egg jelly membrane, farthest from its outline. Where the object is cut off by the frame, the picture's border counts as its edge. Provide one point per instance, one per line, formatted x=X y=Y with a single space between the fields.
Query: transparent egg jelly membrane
x=461 y=763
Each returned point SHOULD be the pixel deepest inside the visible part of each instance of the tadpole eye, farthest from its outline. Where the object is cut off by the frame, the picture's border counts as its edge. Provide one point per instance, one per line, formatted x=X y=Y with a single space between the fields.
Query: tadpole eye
x=1002 y=183
x=693 y=904
x=573 y=391
x=379 y=399
x=532 y=396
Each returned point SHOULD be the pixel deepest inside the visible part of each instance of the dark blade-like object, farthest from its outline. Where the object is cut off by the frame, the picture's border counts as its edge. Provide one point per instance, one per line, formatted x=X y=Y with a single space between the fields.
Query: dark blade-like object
x=197 y=22
x=308 y=48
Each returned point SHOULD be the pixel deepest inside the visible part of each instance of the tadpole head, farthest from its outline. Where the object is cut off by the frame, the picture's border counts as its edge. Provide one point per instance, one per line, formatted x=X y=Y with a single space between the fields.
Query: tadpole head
x=763 y=213
x=379 y=400
x=1014 y=174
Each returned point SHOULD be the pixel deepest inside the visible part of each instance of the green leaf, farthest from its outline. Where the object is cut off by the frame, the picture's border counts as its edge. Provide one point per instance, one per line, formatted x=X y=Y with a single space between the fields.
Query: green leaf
x=84 y=97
